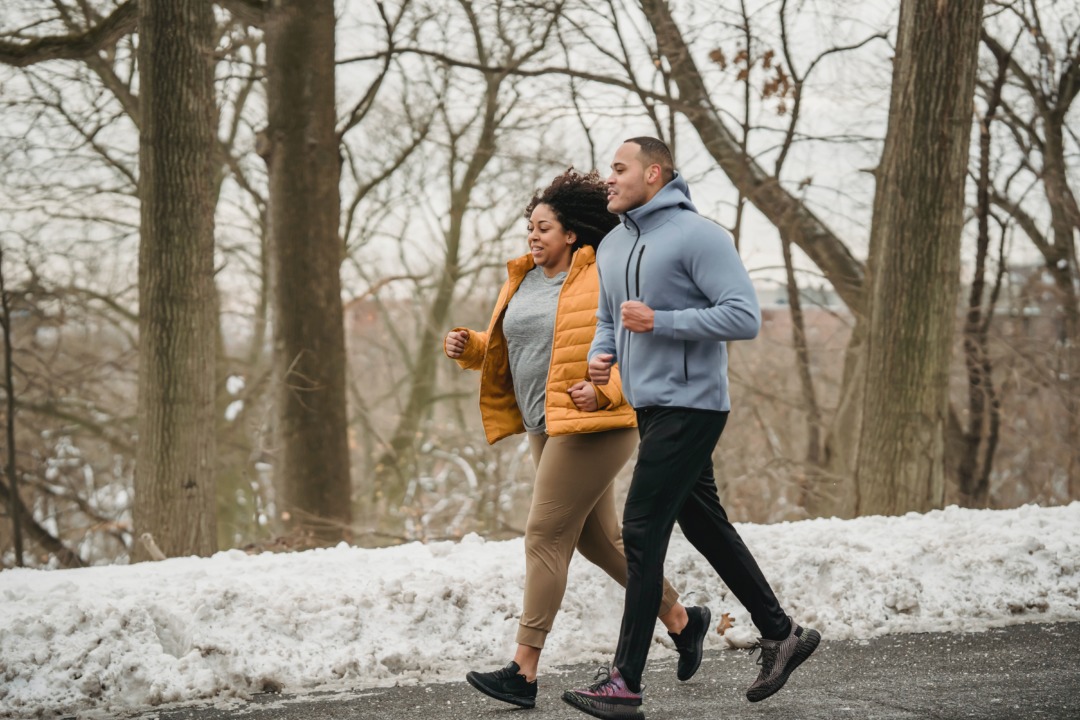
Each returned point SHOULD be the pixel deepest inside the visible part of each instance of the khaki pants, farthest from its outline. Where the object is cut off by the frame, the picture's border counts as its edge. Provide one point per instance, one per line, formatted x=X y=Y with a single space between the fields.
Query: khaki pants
x=573 y=505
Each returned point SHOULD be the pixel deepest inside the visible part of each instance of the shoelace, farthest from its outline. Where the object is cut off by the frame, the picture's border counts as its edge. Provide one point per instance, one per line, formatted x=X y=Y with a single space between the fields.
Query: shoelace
x=767 y=657
x=505 y=673
x=605 y=684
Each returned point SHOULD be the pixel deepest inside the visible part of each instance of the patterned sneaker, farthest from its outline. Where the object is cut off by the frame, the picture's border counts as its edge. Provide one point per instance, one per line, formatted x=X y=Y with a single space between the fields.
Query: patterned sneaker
x=507 y=685
x=779 y=658
x=608 y=698
x=691 y=641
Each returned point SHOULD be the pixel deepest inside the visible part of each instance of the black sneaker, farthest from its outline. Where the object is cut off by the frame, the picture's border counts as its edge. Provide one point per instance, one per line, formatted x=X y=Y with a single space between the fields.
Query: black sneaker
x=691 y=641
x=507 y=685
x=779 y=658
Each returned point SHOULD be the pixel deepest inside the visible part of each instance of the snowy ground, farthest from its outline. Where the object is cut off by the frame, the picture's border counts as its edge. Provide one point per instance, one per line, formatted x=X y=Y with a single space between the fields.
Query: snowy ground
x=110 y=640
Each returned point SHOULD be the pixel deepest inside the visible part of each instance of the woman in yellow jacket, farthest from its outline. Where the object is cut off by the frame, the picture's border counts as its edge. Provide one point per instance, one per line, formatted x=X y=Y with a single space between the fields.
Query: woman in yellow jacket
x=532 y=362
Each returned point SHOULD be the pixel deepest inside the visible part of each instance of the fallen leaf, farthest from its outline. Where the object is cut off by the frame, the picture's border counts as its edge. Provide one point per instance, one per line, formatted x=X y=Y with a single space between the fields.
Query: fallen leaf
x=726 y=623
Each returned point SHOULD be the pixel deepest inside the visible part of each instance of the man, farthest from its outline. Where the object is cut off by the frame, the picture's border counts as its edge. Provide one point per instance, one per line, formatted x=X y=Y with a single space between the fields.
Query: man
x=673 y=290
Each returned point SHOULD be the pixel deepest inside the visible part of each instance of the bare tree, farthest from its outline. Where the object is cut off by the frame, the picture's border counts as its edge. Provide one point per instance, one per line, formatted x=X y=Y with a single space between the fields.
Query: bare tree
x=176 y=264
x=915 y=258
x=1038 y=105
x=472 y=143
x=10 y=470
x=301 y=150
x=984 y=402
x=174 y=477
x=770 y=77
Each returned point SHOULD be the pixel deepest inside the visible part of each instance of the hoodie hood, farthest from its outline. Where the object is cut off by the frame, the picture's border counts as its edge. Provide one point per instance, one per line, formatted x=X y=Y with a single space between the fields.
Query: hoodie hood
x=672 y=197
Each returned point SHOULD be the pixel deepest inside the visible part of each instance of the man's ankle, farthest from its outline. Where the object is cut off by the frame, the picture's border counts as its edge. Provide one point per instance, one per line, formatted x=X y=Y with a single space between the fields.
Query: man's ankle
x=632 y=685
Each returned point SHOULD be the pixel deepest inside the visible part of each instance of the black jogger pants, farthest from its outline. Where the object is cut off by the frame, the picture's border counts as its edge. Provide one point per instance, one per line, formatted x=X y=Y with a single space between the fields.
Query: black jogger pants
x=673 y=480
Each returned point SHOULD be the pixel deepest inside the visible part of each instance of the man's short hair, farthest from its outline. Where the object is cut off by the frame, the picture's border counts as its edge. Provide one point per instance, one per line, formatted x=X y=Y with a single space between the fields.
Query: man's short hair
x=655 y=152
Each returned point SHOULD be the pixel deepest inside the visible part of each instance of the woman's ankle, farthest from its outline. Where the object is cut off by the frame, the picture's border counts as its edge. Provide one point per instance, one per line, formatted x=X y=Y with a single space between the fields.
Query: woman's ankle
x=528 y=659
x=675 y=619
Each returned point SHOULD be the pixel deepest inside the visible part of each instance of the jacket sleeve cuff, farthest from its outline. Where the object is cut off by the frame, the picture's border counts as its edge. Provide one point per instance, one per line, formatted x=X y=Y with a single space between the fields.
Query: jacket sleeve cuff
x=602 y=400
x=664 y=323
x=473 y=355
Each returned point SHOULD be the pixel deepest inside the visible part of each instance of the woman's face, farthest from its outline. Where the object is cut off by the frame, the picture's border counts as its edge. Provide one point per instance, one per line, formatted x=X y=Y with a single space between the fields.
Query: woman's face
x=549 y=241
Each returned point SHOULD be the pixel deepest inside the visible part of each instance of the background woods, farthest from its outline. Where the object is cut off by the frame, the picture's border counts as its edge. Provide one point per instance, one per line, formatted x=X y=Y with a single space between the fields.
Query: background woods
x=234 y=234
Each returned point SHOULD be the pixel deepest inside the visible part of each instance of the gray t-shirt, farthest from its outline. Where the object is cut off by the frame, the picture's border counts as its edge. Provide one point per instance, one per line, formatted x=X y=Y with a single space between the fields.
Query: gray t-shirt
x=529 y=327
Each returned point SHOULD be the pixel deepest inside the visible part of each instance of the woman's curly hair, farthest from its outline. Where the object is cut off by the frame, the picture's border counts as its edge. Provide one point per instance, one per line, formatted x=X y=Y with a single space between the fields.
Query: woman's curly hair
x=580 y=205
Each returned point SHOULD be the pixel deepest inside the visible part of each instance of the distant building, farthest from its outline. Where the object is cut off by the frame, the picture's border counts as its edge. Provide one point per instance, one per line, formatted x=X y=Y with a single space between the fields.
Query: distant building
x=775 y=296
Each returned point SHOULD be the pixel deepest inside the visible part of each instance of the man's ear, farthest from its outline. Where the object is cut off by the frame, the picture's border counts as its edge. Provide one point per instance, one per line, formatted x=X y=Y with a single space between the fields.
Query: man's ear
x=654 y=174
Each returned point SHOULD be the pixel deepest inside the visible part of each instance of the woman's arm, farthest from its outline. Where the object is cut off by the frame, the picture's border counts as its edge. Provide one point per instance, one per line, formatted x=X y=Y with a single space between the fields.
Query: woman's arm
x=471 y=356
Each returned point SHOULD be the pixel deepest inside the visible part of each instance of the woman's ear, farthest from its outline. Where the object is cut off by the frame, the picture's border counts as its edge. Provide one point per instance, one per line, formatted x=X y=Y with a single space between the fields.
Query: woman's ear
x=571 y=238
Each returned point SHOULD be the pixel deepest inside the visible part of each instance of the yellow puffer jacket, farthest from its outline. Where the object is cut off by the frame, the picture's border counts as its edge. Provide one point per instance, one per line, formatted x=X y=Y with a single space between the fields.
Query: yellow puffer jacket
x=575 y=324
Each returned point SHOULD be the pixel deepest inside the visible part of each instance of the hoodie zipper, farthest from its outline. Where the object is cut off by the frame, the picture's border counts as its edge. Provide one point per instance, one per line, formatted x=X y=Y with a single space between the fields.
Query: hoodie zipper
x=624 y=362
x=630 y=259
x=637 y=272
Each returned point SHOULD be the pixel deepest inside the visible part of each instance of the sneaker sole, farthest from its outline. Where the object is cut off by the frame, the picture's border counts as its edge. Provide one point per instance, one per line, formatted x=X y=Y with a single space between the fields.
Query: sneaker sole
x=805 y=648
x=603 y=710
x=699 y=646
x=512 y=699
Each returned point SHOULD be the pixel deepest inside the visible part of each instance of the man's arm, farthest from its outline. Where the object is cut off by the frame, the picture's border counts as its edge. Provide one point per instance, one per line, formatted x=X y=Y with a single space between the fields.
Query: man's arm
x=604 y=340
x=716 y=268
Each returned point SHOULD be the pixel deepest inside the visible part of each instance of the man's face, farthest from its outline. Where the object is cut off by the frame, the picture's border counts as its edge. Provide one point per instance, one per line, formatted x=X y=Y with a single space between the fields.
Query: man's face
x=627 y=185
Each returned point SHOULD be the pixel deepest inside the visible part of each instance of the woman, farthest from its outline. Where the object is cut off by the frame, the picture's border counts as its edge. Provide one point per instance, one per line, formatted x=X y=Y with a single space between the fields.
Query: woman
x=532 y=361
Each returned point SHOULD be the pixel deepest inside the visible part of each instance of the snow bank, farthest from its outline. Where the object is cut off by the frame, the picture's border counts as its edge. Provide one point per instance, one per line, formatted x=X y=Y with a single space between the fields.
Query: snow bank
x=108 y=640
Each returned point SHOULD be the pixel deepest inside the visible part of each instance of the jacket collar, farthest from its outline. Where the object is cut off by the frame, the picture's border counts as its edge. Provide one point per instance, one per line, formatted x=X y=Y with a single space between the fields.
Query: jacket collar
x=671 y=198
x=582 y=258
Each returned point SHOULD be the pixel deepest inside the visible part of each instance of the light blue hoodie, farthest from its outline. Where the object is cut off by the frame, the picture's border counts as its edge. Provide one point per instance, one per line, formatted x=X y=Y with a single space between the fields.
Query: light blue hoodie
x=685 y=267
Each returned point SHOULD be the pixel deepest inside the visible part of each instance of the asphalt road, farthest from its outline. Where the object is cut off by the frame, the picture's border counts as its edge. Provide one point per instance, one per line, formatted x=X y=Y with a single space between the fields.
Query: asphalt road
x=1020 y=672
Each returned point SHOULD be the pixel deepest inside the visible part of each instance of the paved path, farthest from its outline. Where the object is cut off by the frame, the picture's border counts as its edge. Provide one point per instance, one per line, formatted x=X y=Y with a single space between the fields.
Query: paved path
x=1015 y=673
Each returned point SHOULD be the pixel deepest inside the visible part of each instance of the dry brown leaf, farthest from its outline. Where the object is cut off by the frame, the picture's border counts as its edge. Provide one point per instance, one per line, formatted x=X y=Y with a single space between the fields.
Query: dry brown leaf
x=726 y=623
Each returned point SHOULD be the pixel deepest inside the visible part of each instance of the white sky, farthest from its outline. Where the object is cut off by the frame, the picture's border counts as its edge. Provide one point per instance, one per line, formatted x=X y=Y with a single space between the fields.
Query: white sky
x=108 y=640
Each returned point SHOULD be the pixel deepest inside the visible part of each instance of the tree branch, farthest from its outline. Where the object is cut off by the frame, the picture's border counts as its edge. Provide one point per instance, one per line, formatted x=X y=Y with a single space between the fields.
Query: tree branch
x=791 y=217
x=51 y=544
x=76 y=46
x=1027 y=223
x=251 y=12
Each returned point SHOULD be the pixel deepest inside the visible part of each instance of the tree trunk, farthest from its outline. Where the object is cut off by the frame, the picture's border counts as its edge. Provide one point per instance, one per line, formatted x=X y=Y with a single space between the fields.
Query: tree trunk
x=10 y=468
x=914 y=265
x=811 y=473
x=311 y=443
x=174 y=477
x=1065 y=219
x=834 y=494
x=984 y=405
